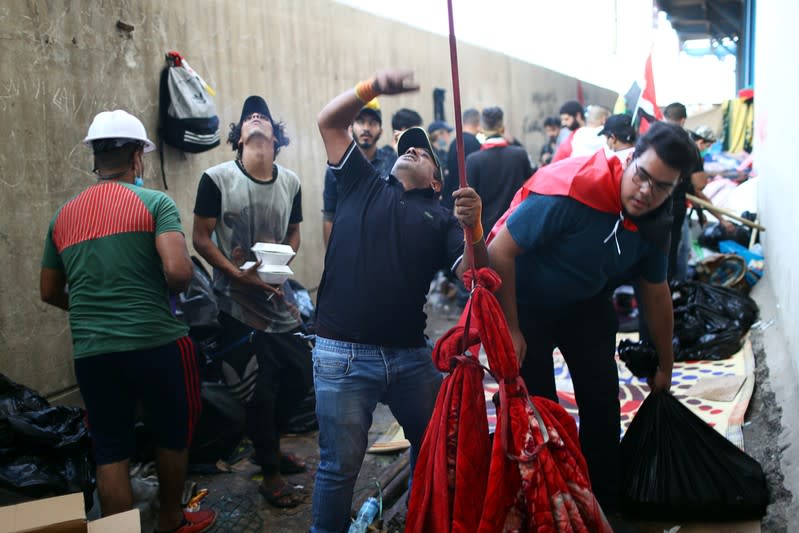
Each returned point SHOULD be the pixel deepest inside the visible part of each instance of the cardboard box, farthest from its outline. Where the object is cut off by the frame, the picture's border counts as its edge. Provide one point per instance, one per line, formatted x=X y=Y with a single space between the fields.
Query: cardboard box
x=63 y=514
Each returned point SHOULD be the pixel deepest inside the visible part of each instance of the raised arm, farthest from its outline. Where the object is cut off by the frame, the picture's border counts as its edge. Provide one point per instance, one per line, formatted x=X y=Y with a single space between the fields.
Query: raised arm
x=337 y=115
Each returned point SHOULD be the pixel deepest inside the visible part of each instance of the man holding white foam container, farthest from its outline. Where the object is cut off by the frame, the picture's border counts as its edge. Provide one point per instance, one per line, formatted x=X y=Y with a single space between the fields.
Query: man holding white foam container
x=242 y=202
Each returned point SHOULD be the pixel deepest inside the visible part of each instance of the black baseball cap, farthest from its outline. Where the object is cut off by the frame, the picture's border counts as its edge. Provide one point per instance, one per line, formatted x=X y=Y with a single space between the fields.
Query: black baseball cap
x=254 y=104
x=619 y=126
x=416 y=137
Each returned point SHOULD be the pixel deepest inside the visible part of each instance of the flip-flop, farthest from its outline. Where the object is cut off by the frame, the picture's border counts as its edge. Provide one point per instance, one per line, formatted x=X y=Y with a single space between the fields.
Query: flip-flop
x=291 y=464
x=285 y=497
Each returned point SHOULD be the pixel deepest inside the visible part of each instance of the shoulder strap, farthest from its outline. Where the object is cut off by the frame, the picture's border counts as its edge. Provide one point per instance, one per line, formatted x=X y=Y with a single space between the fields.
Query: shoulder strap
x=163 y=108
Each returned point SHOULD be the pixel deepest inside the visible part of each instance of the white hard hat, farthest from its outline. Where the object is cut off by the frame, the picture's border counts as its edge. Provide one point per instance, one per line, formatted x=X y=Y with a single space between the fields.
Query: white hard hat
x=118 y=124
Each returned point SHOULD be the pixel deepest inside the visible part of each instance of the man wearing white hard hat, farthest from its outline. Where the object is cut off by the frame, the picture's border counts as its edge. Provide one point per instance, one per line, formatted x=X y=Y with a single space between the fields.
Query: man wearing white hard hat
x=111 y=255
x=244 y=201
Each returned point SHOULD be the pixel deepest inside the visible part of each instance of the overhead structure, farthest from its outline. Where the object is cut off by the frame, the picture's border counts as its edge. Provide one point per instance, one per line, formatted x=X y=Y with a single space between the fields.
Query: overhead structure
x=726 y=23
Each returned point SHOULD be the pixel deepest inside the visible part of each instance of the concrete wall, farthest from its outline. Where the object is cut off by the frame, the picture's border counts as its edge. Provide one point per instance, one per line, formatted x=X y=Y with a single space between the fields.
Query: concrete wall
x=777 y=161
x=63 y=62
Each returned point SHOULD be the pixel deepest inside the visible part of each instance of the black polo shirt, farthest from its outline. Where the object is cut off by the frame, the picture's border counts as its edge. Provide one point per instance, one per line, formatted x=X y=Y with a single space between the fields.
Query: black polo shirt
x=496 y=174
x=385 y=248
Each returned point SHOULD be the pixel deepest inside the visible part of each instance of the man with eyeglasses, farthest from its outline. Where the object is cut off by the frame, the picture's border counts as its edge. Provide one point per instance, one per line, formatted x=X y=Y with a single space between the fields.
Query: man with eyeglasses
x=266 y=365
x=587 y=225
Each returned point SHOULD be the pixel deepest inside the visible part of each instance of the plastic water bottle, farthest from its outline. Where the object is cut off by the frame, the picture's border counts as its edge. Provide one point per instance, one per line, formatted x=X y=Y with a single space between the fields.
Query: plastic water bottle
x=365 y=517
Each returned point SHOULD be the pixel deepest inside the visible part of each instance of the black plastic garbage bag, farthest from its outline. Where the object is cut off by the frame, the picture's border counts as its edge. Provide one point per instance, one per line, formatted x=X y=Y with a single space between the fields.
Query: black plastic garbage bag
x=220 y=427
x=715 y=232
x=640 y=357
x=676 y=467
x=710 y=322
x=37 y=475
x=197 y=305
x=52 y=427
x=31 y=475
x=711 y=347
x=723 y=300
x=692 y=321
x=15 y=398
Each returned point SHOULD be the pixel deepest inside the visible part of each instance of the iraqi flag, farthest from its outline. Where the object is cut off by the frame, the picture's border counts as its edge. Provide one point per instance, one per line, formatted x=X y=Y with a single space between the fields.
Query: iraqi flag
x=641 y=101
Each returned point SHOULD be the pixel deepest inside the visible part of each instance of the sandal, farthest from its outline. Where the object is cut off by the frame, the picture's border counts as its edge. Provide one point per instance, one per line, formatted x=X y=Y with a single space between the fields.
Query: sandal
x=285 y=497
x=291 y=464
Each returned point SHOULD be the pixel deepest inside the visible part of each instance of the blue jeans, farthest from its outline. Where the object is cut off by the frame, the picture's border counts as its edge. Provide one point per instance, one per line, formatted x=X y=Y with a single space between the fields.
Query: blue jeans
x=350 y=379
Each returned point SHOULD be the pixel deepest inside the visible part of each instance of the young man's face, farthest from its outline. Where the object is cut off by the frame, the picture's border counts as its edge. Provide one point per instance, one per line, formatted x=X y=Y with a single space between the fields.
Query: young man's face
x=551 y=132
x=417 y=168
x=568 y=121
x=647 y=182
x=255 y=126
x=366 y=131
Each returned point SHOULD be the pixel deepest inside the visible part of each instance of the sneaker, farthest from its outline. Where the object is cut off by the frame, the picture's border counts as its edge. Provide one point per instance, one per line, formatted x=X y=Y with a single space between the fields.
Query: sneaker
x=197 y=521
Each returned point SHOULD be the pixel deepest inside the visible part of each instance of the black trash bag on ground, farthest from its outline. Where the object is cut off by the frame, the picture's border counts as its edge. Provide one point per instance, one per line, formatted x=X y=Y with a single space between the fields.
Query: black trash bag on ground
x=30 y=475
x=710 y=322
x=220 y=427
x=676 y=467
x=197 y=305
x=692 y=321
x=640 y=357
x=711 y=346
x=724 y=301
x=14 y=399
x=52 y=427
x=715 y=232
x=37 y=475
x=45 y=450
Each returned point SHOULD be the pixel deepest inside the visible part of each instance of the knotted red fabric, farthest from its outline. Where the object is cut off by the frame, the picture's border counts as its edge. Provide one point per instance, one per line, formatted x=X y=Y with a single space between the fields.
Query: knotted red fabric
x=534 y=479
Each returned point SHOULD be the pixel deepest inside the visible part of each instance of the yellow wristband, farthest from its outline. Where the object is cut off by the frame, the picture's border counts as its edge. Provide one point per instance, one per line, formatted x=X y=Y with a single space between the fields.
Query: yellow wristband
x=366 y=91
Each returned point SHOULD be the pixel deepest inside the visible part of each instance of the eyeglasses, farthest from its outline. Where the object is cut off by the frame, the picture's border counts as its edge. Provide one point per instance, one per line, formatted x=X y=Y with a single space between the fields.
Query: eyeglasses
x=642 y=177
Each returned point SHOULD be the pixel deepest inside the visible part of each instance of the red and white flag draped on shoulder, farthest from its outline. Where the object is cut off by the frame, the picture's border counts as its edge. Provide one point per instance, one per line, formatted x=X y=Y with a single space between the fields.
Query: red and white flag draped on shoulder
x=534 y=479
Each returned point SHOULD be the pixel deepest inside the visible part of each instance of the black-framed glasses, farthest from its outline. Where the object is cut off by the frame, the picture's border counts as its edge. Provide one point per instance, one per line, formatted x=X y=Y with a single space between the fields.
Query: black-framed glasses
x=641 y=177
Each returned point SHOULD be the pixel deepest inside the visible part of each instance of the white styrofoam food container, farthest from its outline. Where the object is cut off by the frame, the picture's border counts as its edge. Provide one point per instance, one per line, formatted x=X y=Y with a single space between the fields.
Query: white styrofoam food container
x=273 y=254
x=272 y=274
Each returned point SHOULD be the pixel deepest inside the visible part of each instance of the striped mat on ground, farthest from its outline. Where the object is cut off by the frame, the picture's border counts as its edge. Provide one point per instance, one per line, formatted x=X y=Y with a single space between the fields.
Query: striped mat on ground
x=717 y=391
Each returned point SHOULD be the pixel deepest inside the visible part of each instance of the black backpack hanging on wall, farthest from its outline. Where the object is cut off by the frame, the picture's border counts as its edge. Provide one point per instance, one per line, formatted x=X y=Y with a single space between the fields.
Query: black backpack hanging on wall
x=186 y=109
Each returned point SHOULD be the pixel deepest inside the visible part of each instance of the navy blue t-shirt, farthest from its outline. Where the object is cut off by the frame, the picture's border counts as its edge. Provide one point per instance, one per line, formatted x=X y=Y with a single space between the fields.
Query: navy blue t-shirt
x=567 y=257
x=385 y=248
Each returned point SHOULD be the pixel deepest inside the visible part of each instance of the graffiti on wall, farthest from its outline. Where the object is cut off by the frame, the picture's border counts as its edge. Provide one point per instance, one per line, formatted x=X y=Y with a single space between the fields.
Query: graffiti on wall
x=541 y=106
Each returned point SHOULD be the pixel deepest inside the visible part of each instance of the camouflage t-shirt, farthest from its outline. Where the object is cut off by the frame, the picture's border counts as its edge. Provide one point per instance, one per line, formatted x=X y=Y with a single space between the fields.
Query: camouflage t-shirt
x=249 y=211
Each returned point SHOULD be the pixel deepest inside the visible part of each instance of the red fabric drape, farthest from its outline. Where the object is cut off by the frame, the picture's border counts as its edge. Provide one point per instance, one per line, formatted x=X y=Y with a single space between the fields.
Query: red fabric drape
x=535 y=477
x=593 y=180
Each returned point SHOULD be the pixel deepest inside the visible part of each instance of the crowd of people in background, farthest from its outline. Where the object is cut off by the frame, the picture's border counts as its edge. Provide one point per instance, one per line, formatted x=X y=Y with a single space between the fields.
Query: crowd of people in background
x=597 y=206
